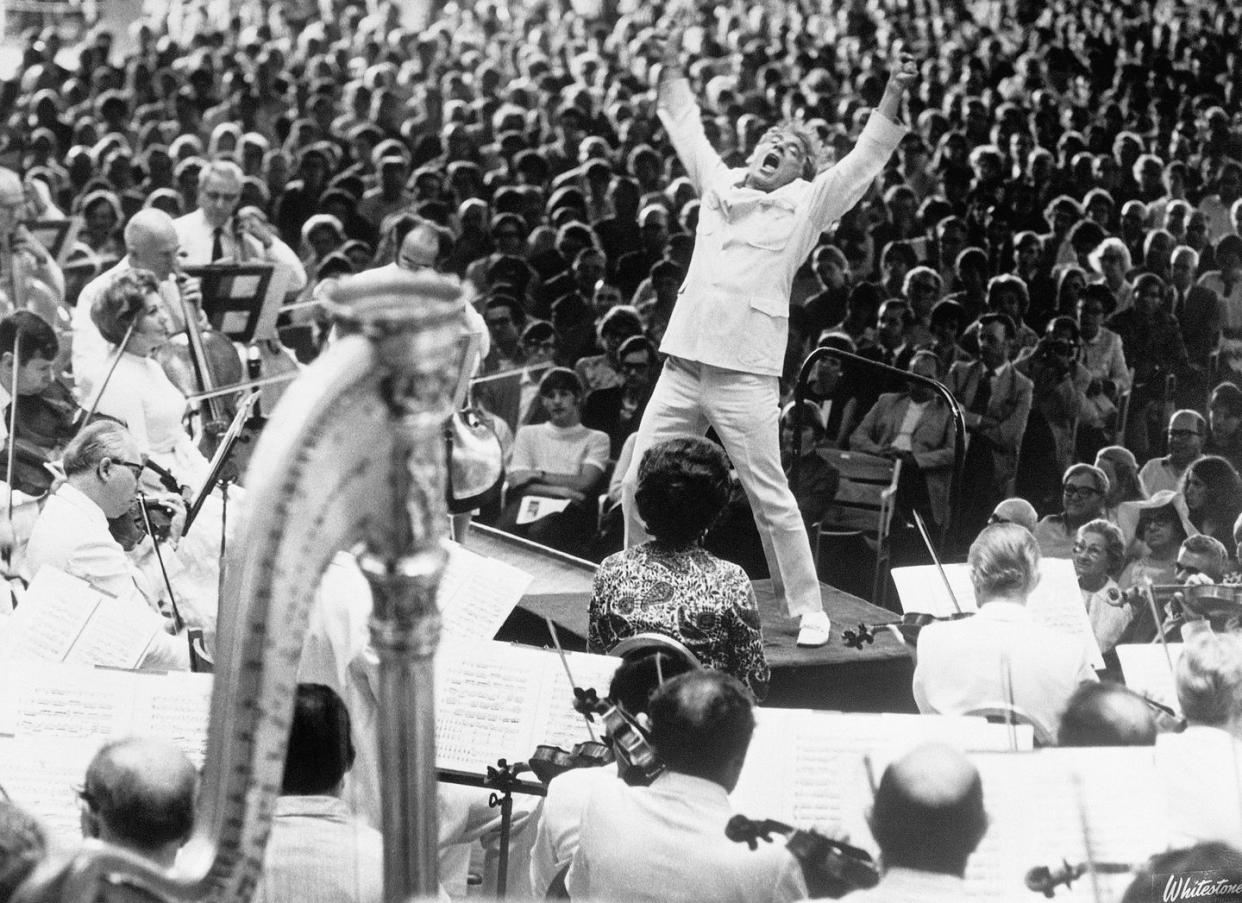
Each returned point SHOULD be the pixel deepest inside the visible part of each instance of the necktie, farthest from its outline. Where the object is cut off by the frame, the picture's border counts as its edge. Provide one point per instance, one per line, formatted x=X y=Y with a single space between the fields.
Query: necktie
x=983 y=395
x=217 y=243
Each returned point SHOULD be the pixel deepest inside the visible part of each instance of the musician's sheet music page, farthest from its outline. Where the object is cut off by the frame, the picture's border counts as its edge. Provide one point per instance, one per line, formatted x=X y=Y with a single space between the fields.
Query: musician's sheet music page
x=73 y=702
x=921 y=588
x=117 y=634
x=1201 y=773
x=557 y=722
x=175 y=706
x=487 y=698
x=1147 y=670
x=477 y=594
x=40 y=773
x=51 y=617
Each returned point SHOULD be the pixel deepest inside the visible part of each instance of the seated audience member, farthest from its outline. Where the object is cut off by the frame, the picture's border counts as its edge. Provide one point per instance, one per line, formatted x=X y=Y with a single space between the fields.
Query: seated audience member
x=1107 y=714
x=618 y=409
x=643 y=670
x=560 y=459
x=318 y=850
x=1225 y=424
x=1200 y=560
x=667 y=841
x=604 y=371
x=916 y=428
x=1165 y=870
x=139 y=794
x=814 y=481
x=1015 y=511
x=1160 y=523
x=1186 y=435
x=22 y=847
x=996 y=400
x=1083 y=490
x=1099 y=553
x=102 y=465
x=1119 y=466
x=963 y=665
x=832 y=389
x=514 y=396
x=928 y=817
x=670 y=584
x=1213 y=494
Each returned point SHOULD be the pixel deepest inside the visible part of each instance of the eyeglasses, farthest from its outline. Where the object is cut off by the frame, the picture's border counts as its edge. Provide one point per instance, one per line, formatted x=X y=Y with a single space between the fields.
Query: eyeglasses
x=635 y=366
x=1079 y=491
x=1089 y=551
x=1183 y=434
x=546 y=344
x=997 y=519
x=135 y=469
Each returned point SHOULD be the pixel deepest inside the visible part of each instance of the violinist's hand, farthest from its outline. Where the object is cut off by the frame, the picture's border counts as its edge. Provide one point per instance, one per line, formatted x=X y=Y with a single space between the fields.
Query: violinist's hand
x=192 y=291
x=1198 y=580
x=177 y=526
x=253 y=221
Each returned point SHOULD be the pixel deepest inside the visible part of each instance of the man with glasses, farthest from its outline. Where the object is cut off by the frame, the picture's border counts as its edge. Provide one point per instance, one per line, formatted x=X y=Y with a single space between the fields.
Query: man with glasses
x=1187 y=431
x=217 y=232
x=726 y=337
x=616 y=410
x=514 y=396
x=1083 y=489
x=102 y=468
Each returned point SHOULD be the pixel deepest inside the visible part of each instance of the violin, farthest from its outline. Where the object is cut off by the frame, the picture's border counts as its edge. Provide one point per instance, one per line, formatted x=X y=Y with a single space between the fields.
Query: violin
x=637 y=761
x=832 y=868
x=549 y=761
x=913 y=622
x=130 y=528
x=1045 y=880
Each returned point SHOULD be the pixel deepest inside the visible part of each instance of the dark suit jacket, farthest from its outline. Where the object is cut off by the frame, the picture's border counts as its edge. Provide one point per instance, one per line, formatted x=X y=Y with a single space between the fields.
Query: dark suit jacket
x=602 y=411
x=1199 y=314
x=1010 y=404
x=503 y=397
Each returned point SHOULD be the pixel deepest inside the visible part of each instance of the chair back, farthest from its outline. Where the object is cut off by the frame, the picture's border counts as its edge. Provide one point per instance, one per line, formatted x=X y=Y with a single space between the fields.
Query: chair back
x=866 y=494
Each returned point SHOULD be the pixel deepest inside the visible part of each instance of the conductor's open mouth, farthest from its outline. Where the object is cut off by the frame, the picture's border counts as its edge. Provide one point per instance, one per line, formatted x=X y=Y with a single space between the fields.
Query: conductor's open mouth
x=771 y=160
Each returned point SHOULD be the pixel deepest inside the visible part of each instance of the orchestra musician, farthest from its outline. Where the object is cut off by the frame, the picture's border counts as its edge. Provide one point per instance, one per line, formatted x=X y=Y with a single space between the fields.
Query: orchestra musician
x=29 y=276
x=641 y=673
x=667 y=841
x=151 y=244
x=102 y=467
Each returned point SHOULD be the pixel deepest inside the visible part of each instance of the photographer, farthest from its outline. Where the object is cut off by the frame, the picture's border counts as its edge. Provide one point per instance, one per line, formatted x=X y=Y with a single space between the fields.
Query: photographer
x=1060 y=396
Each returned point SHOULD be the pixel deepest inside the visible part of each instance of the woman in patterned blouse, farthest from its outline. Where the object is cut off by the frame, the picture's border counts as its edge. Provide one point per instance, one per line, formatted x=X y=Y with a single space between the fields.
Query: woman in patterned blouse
x=671 y=584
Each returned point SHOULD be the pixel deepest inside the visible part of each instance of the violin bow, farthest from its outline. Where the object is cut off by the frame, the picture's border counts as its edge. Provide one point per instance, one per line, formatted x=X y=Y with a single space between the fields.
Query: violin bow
x=1155 y=614
x=17 y=344
x=1085 y=827
x=116 y=359
x=556 y=641
x=918 y=521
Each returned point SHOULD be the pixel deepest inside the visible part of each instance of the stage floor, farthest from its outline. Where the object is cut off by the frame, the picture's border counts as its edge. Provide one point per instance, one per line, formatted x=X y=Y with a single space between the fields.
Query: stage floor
x=875 y=678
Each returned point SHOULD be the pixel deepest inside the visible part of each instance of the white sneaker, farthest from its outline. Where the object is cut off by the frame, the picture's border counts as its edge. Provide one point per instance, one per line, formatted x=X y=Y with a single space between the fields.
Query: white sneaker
x=814 y=629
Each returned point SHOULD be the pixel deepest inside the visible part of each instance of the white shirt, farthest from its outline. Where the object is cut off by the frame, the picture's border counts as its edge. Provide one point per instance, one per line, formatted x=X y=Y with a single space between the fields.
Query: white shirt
x=1159 y=474
x=559 y=450
x=733 y=308
x=666 y=844
x=560 y=821
x=197 y=238
x=914 y=413
x=902 y=885
x=72 y=535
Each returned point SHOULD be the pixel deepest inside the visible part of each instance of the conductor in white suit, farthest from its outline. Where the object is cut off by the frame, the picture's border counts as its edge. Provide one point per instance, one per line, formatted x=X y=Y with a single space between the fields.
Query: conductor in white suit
x=726 y=338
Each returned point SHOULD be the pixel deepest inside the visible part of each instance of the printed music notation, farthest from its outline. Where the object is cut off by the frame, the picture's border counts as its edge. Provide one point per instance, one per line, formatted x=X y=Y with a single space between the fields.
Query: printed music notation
x=477 y=594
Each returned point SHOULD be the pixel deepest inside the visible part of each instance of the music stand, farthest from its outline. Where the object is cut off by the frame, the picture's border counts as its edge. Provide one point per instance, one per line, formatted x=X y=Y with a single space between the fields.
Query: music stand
x=235 y=297
x=56 y=235
x=223 y=452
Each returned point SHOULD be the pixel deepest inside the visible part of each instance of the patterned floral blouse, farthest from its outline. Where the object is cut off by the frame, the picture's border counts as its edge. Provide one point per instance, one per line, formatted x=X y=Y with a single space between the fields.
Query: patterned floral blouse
x=688 y=594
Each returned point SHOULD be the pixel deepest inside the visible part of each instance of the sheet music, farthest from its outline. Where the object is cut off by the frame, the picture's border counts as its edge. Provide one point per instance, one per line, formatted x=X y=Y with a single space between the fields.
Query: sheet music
x=40 y=774
x=486 y=700
x=66 y=701
x=117 y=634
x=1201 y=772
x=562 y=726
x=175 y=706
x=1146 y=670
x=802 y=763
x=477 y=594
x=1056 y=601
x=1035 y=806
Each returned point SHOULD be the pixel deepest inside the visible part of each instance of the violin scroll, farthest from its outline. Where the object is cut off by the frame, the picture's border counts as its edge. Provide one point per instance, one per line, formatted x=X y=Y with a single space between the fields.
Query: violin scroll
x=832 y=868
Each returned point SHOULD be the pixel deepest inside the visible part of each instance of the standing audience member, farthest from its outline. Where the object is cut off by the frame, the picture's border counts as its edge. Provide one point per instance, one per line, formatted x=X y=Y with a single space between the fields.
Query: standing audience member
x=139 y=794
x=670 y=584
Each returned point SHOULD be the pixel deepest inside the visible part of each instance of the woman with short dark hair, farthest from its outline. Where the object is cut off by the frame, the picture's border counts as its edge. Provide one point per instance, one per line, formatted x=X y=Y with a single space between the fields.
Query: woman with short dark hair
x=671 y=584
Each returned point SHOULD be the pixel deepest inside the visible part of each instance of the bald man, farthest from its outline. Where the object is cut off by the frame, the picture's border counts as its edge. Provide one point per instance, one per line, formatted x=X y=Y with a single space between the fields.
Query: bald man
x=927 y=818
x=151 y=244
x=1015 y=511
x=139 y=794
x=1107 y=714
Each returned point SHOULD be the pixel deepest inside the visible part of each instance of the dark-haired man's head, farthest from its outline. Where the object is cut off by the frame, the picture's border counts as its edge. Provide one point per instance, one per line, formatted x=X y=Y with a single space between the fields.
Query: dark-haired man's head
x=928 y=813
x=37 y=349
x=701 y=725
x=320 y=749
x=560 y=391
x=1106 y=714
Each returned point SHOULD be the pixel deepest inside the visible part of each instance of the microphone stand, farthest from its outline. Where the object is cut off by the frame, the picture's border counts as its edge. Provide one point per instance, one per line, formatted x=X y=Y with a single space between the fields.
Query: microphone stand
x=955 y=409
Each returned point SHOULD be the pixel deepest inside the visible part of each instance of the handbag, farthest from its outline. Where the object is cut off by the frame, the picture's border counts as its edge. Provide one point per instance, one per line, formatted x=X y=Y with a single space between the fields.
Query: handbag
x=476 y=469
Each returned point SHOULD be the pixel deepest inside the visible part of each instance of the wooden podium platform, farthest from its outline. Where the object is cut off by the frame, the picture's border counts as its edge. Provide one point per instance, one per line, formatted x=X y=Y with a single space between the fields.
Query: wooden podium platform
x=875 y=678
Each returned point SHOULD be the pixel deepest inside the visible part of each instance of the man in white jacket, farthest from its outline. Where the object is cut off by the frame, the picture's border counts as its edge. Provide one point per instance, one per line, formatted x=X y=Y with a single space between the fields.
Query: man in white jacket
x=726 y=339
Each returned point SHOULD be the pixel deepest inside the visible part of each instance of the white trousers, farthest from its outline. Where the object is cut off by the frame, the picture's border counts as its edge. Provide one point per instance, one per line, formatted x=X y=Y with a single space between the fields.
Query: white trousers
x=743 y=408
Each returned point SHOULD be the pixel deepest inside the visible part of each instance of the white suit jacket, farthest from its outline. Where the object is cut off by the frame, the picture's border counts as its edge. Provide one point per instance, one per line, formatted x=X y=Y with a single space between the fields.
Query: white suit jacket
x=667 y=843
x=733 y=308
x=961 y=663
